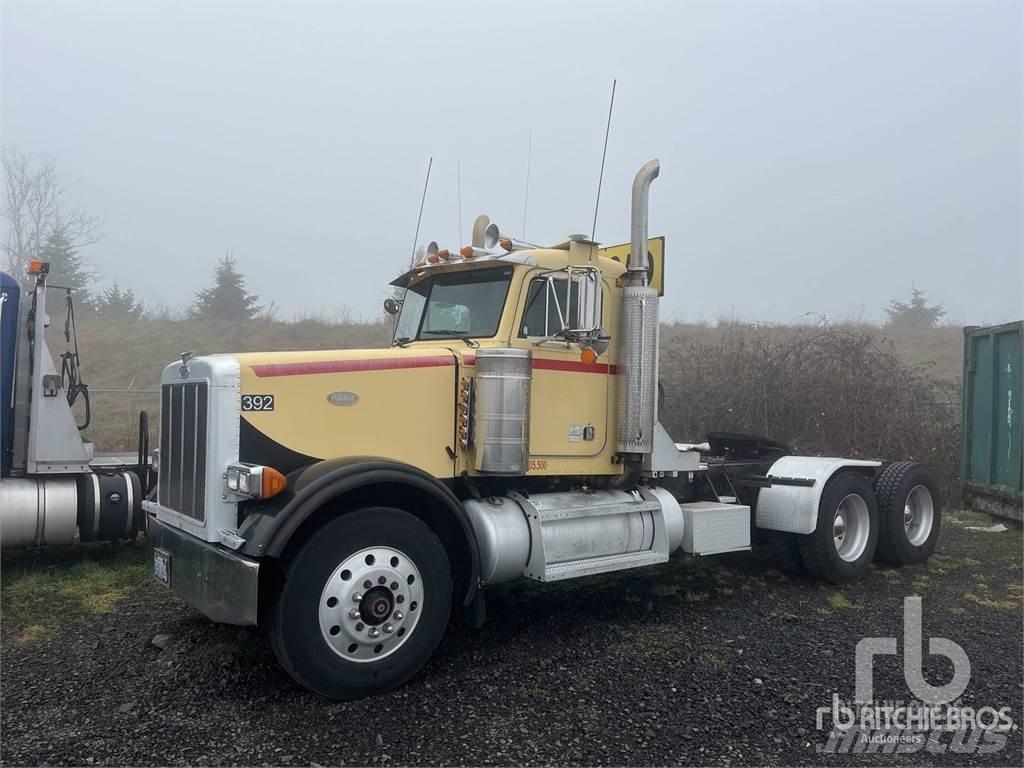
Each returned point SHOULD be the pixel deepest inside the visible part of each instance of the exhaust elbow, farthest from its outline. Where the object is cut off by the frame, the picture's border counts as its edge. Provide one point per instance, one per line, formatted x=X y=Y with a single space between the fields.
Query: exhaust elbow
x=638 y=219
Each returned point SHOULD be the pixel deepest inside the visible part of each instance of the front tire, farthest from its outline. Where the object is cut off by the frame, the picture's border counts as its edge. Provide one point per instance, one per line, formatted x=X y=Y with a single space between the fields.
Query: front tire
x=364 y=604
x=910 y=512
x=842 y=545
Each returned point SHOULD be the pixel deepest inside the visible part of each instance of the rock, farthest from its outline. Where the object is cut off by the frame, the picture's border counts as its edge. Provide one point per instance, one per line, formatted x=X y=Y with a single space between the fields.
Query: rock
x=758 y=681
x=161 y=641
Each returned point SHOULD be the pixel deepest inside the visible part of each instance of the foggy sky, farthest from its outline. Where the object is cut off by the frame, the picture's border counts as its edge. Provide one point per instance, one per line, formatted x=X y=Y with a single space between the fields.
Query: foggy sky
x=816 y=158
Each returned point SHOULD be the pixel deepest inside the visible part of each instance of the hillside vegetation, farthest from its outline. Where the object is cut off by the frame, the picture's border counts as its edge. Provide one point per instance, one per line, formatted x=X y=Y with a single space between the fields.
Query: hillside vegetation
x=852 y=390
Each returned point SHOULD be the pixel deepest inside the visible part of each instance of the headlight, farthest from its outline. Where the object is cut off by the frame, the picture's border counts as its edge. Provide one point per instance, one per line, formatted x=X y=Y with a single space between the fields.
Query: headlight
x=254 y=480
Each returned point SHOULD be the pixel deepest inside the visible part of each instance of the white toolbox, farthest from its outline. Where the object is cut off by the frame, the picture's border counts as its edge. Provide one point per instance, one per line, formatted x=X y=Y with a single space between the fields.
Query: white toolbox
x=710 y=528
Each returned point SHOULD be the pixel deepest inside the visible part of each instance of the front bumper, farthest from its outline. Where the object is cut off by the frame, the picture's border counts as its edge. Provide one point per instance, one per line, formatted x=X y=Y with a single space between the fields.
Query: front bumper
x=212 y=579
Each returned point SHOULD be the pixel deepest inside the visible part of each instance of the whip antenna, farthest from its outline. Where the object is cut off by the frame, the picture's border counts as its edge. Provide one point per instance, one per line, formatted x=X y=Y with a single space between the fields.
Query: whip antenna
x=458 y=181
x=600 y=177
x=526 y=196
x=416 y=237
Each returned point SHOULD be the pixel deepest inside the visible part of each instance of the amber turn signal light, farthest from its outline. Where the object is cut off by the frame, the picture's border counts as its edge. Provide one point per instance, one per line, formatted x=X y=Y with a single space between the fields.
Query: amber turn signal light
x=273 y=482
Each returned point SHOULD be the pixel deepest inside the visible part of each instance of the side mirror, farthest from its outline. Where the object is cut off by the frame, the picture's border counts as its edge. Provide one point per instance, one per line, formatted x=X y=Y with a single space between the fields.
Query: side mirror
x=588 y=284
x=392 y=306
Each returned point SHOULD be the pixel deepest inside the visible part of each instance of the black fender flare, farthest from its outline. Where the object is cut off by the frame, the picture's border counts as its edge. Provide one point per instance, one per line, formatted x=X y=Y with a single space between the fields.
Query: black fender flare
x=269 y=526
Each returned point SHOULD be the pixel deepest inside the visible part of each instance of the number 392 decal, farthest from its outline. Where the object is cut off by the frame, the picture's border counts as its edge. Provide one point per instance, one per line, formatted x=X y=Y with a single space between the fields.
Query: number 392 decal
x=257 y=402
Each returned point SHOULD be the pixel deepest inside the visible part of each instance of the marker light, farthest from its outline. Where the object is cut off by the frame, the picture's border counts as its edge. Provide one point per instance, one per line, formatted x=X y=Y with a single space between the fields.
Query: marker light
x=466 y=251
x=506 y=244
x=254 y=480
x=444 y=254
x=432 y=258
x=588 y=356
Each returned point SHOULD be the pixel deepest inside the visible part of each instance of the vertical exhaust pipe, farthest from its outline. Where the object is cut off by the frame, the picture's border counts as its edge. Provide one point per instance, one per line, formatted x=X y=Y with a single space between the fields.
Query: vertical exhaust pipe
x=636 y=400
x=638 y=219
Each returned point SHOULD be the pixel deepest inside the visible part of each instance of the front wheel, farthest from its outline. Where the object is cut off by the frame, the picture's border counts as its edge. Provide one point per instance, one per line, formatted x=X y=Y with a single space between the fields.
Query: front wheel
x=842 y=545
x=364 y=604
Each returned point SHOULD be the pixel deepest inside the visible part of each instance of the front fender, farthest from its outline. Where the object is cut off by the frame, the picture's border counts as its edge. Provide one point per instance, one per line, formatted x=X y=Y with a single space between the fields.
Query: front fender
x=794 y=508
x=269 y=527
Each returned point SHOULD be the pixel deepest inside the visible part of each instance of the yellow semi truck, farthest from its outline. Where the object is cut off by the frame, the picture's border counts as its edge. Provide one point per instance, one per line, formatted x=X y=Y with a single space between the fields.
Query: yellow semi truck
x=348 y=500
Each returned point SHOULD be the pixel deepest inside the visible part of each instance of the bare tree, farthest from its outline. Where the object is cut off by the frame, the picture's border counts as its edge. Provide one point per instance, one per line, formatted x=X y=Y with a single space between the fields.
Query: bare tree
x=35 y=208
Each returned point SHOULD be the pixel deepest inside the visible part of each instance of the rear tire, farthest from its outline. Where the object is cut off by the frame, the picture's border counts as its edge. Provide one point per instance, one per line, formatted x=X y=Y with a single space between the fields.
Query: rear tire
x=842 y=545
x=910 y=513
x=364 y=604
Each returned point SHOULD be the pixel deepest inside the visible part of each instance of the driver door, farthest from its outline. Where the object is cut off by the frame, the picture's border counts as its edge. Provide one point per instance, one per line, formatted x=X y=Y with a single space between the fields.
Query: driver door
x=569 y=398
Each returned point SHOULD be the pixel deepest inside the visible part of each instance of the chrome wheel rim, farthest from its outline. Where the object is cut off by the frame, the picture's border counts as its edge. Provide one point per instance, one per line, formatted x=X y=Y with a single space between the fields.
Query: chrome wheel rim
x=918 y=515
x=850 y=528
x=371 y=604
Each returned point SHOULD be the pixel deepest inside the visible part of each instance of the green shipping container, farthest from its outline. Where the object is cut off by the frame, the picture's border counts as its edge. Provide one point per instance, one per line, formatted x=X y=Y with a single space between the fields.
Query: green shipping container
x=991 y=470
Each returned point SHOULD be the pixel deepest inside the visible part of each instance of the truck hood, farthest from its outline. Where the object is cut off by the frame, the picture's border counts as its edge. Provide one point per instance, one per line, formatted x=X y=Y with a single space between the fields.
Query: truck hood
x=397 y=404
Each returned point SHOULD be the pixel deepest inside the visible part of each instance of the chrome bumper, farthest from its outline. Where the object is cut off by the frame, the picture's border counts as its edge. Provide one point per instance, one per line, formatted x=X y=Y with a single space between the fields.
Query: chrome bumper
x=212 y=579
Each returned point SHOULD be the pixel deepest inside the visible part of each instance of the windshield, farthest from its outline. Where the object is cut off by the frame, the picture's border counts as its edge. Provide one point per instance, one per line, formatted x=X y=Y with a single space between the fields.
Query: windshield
x=454 y=305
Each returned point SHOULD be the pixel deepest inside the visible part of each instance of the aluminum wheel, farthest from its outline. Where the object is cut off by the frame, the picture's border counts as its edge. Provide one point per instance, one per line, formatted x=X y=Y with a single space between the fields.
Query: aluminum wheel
x=918 y=515
x=850 y=527
x=371 y=604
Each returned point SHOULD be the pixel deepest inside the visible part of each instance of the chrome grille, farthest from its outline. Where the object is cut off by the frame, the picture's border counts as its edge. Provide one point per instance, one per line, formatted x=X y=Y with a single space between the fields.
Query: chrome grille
x=183 y=427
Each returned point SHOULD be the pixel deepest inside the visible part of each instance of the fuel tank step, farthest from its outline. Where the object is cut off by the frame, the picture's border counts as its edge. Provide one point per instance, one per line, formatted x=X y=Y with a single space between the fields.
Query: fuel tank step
x=588 y=566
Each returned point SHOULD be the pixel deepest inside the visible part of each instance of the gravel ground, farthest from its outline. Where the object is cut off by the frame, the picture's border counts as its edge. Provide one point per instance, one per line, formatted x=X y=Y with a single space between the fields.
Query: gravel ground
x=708 y=662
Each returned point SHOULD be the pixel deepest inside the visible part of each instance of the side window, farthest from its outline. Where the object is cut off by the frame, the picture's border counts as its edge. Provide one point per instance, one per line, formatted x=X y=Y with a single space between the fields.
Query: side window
x=546 y=306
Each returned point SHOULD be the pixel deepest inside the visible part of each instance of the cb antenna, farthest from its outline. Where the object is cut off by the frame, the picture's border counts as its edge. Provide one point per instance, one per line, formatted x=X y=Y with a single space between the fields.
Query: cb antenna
x=458 y=181
x=600 y=177
x=526 y=196
x=416 y=237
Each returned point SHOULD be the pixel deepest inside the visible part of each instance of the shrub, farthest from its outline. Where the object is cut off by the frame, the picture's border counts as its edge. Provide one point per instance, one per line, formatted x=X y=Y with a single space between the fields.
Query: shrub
x=822 y=390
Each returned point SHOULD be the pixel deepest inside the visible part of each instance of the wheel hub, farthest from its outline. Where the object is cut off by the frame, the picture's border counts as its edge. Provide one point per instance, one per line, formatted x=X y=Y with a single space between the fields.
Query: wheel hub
x=918 y=515
x=370 y=604
x=376 y=605
x=851 y=527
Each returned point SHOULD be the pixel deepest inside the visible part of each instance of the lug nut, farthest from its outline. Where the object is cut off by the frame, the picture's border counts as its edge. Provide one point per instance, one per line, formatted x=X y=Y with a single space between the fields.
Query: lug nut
x=374 y=632
x=399 y=615
x=353 y=613
x=389 y=628
x=357 y=598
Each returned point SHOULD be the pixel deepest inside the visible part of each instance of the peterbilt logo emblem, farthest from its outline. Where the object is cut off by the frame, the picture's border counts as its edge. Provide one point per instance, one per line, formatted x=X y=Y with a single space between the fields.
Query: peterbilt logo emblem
x=343 y=398
x=185 y=357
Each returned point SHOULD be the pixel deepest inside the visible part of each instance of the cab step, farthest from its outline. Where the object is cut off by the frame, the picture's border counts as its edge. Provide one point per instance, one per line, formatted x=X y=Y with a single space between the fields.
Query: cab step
x=571 y=569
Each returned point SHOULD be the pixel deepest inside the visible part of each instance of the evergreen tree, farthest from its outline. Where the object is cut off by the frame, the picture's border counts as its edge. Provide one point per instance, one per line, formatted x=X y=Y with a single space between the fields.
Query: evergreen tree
x=227 y=298
x=115 y=304
x=67 y=268
x=917 y=314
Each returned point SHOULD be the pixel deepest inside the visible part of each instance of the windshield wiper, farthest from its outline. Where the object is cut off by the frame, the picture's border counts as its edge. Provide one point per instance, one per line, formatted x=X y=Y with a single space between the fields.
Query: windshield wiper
x=401 y=341
x=464 y=337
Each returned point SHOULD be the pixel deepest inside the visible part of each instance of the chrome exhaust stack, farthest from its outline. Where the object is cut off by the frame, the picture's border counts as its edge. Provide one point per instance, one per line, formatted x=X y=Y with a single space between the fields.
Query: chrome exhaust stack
x=638 y=221
x=636 y=400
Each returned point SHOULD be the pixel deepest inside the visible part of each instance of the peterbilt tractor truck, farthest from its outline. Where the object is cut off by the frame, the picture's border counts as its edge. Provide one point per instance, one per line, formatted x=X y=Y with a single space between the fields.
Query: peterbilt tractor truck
x=349 y=500
x=54 y=488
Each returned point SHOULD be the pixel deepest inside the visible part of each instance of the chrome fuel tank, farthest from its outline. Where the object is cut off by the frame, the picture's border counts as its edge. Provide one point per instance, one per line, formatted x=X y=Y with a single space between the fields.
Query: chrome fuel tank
x=501 y=421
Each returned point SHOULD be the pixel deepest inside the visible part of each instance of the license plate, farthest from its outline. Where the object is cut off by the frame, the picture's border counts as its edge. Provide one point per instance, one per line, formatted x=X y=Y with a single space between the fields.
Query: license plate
x=162 y=565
